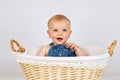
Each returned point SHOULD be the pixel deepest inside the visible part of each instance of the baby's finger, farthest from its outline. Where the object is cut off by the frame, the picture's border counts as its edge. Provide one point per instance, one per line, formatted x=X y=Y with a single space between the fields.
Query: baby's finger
x=68 y=45
x=71 y=47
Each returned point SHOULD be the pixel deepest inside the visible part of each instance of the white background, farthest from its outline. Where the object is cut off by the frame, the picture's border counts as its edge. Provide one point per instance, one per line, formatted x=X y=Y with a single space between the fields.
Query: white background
x=94 y=22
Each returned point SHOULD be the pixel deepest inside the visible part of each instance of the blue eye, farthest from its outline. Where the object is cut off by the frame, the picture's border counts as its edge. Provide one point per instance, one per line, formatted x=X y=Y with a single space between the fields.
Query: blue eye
x=64 y=30
x=55 y=30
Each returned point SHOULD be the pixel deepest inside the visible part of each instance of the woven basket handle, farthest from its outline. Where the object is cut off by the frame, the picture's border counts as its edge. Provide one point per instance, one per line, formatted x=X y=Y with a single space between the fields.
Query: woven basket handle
x=111 y=47
x=20 y=48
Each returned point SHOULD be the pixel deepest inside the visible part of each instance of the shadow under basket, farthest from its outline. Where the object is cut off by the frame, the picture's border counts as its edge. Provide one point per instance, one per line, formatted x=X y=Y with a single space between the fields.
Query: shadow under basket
x=62 y=68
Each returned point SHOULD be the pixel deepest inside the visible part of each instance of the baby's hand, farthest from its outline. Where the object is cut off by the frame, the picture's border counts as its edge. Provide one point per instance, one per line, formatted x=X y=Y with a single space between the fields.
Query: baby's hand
x=77 y=49
x=72 y=46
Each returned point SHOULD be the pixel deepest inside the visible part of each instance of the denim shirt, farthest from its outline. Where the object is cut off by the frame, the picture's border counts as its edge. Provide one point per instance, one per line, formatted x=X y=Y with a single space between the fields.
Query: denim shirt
x=60 y=51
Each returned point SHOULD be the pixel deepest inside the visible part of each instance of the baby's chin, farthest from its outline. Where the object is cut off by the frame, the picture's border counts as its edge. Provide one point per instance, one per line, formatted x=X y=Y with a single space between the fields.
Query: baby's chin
x=59 y=43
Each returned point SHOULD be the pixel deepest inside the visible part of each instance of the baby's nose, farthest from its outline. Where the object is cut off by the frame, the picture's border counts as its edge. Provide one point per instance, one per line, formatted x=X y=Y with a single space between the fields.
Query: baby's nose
x=59 y=33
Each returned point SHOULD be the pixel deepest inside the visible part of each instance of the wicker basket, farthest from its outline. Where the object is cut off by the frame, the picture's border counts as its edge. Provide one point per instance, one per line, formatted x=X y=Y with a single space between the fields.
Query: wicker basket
x=61 y=68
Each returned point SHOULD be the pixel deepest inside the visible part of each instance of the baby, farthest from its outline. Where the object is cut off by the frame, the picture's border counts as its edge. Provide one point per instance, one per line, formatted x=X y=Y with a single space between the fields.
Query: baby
x=59 y=31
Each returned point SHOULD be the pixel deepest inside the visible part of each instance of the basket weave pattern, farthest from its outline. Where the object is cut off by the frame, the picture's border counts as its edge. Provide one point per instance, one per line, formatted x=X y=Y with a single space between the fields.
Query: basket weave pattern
x=61 y=68
x=39 y=72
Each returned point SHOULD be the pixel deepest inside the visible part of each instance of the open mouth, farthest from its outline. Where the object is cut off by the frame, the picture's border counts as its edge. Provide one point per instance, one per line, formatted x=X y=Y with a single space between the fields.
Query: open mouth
x=59 y=39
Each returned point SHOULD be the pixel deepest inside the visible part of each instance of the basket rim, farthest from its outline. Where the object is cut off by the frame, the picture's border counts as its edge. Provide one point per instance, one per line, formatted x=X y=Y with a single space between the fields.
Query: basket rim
x=95 y=57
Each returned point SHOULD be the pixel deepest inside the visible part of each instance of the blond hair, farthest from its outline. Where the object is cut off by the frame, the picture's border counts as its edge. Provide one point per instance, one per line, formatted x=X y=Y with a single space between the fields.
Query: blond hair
x=58 y=18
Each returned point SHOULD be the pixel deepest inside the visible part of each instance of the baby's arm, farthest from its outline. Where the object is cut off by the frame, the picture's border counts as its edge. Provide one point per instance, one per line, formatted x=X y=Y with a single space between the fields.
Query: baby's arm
x=77 y=49
x=43 y=51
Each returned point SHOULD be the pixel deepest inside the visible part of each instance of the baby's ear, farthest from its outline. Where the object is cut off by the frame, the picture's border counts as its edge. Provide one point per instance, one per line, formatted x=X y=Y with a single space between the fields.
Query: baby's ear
x=48 y=33
x=70 y=31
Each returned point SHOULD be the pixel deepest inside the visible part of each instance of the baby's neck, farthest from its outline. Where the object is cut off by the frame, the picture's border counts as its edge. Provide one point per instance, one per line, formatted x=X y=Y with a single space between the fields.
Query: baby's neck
x=57 y=44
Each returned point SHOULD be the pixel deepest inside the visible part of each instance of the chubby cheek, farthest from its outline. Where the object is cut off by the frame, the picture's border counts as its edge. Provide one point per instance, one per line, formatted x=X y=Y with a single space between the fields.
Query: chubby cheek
x=69 y=34
x=49 y=34
x=52 y=35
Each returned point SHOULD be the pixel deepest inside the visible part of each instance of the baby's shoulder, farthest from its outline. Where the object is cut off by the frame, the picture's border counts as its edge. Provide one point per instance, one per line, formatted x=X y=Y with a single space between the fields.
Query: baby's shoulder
x=45 y=47
x=43 y=50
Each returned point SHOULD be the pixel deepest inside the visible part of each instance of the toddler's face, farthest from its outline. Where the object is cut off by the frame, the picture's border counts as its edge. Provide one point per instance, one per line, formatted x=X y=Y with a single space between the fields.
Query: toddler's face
x=59 y=32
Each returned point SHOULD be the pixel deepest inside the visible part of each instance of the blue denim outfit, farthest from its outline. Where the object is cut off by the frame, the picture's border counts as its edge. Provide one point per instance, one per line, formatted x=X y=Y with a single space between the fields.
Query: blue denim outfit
x=60 y=51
